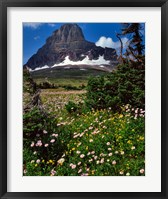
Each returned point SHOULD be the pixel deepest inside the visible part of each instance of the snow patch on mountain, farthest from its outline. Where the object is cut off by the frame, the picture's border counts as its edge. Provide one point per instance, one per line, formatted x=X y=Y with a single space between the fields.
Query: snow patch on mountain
x=86 y=61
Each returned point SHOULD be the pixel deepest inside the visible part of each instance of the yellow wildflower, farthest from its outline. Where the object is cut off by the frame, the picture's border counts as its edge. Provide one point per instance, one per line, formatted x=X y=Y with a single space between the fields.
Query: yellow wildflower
x=129 y=142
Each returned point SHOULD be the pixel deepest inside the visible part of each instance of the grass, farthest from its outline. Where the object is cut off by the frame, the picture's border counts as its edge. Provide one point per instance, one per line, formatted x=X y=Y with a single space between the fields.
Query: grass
x=63 y=82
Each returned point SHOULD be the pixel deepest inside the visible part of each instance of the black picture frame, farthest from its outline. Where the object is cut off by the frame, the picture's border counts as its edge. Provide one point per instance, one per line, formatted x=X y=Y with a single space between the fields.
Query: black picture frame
x=4 y=4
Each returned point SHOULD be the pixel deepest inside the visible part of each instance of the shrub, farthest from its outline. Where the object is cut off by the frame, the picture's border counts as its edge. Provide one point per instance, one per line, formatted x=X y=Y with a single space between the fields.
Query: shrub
x=125 y=85
x=77 y=108
x=71 y=107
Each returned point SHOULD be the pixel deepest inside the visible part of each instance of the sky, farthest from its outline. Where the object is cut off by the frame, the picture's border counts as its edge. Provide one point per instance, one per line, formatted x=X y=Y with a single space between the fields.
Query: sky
x=102 y=34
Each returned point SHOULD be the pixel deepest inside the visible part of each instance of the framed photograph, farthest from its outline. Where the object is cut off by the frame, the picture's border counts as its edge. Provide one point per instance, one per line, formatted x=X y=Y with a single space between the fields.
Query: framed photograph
x=83 y=99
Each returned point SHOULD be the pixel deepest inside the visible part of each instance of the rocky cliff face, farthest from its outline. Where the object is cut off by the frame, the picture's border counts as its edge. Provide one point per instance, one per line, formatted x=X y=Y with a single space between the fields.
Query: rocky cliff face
x=69 y=41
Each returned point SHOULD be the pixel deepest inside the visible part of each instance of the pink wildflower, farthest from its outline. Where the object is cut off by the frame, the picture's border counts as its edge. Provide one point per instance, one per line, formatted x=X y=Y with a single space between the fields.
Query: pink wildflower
x=52 y=141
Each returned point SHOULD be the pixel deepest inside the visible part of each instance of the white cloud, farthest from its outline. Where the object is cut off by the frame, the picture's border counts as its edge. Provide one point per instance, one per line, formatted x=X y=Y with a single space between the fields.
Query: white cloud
x=32 y=25
x=36 y=37
x=52 y=24
x=108 y=42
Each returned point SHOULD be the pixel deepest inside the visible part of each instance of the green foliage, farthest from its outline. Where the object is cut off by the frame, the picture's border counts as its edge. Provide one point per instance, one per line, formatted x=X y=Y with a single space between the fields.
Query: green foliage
x=123 y=86
x=46 y=85
x=98 y=143
x=71 y=107
x=76 y=108
x=43 y=141
x=29 y=85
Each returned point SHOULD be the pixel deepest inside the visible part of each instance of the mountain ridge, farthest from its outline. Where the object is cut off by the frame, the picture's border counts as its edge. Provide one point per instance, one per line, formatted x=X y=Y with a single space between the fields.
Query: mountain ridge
x=69 y=42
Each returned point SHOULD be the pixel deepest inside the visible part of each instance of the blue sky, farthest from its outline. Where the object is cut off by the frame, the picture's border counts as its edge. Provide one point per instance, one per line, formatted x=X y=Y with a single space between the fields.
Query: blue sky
x=102 y=34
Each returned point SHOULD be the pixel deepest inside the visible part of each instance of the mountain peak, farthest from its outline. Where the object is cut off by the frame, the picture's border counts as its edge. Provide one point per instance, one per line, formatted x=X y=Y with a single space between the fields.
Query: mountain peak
x=68 y=41
x=68 y=33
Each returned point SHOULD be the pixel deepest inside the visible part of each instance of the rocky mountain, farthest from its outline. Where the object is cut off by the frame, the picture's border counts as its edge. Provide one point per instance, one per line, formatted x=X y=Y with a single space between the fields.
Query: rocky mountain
x=67 y=46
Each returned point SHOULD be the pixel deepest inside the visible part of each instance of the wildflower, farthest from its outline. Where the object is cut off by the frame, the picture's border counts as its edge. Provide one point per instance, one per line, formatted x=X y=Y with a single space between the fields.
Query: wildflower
x=43 y=161
x=129 y=141
x=84 y=174
x=61 y=161
x=108 y=143
x=109 y=149
x=141 y=171
x=127 y=174
x=73 y=166
x=90 y=140
x=46 y=145
x=87 y=169
x=70 y=164
x=93 y=152
x=73 y=149
x=79 y=163
x=101 y=154
x=80 y=170
x=121 y=172
x=114 y=162
x=52 y=141
x=39 y=143
x=78 y=152
x=82 y=156
x=91 y=127
x=91 y=160
x=122 y=152
x=36 y=165
x=120 y=116
x=37 y=135
x=81 y=134
x=38 y=161
x=88 y=153
x=53 y=172
x=110 y=154
x=108 y=160
x=32 y=161
x=95 y=157
x=32 y=144
x=102 y=161
x=116 y=152
x=141 y=138
x=133 y=147
x=45 y=132
x=55 y=135
x=50 y=161
x=93 y=171
x=79 y=144
x=97 y=162
x=24 y=171
x=35 y=152
x=126 y=106
x=102 y=136
x=75 y=136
